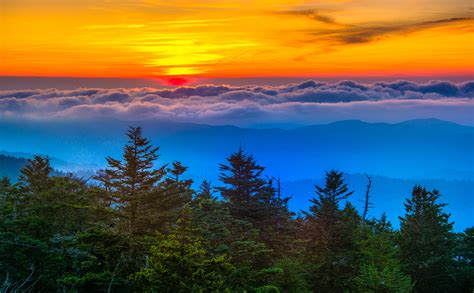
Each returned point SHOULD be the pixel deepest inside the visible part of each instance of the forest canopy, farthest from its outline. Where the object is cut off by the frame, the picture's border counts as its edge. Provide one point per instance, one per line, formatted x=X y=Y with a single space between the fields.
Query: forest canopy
x=140 y=226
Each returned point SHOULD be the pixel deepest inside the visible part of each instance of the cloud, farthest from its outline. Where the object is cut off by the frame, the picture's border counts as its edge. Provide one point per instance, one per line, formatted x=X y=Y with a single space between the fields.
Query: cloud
x=306 y=102
x=311 y=13
x=357 y=33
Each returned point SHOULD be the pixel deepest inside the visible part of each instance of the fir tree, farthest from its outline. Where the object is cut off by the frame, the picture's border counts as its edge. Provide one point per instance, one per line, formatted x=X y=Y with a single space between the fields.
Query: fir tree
x=145 y=229
x=380 y=269
x=426 y=241
x=244 y=186
x=253 y=199
x=131 y=179
x=162 y=206
x=332 y=235
x=36 y=174
x=211 y=217
x=260 y=221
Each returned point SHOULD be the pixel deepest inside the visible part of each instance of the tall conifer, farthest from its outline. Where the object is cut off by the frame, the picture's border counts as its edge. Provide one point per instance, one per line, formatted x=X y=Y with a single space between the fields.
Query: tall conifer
x=427 y=241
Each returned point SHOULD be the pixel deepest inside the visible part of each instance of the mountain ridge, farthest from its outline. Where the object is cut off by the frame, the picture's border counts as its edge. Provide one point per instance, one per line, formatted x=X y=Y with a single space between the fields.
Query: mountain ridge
x=423 y=148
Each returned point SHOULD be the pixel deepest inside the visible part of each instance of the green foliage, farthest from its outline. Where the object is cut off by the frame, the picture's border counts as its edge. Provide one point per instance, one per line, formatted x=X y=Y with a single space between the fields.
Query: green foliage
x=259 y=222
x=427 y=242
x=179 y=263
x=128 y=182
x=144 y=229
x=294 y=275
x=464 y=265
x=333 y=235
x=382 y=280
x=380 y=269
x=36 y=173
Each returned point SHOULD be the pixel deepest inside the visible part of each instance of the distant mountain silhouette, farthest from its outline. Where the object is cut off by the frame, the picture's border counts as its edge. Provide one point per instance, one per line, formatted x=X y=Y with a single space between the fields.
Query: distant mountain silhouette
x=427 y=148
x=10 y=166
x=55 y=162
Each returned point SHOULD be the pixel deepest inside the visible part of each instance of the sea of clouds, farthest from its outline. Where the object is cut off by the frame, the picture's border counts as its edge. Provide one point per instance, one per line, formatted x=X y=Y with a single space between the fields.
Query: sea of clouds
x=303 y=103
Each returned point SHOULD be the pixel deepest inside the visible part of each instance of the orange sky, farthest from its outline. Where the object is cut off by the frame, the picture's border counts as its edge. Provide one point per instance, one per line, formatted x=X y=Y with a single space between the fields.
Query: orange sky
x=241 y=38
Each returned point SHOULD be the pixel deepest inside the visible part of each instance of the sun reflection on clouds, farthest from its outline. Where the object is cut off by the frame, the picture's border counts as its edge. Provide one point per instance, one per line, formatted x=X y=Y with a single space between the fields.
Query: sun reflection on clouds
x=179 y=71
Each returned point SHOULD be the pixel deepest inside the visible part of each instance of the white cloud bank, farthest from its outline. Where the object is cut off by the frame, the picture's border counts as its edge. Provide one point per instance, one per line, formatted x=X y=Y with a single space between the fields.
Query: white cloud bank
x=304 y=103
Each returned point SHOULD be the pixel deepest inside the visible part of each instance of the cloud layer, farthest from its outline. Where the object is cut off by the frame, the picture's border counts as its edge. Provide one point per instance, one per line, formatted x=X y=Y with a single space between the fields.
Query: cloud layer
x=303 y=103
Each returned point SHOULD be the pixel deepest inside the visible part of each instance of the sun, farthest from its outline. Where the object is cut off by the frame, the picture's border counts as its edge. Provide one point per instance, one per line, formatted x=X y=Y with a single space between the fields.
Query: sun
x=177 y=81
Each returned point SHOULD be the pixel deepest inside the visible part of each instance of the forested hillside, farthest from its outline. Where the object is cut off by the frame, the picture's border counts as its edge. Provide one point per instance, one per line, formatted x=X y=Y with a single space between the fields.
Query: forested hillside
x=141 y=227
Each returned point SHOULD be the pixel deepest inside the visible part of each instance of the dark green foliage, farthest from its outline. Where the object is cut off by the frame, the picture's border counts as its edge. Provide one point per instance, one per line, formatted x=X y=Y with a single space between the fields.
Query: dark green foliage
x=427 y=242
x=259 y=222
x=245 y=190
x=142 y=228
x=382 y=280
x=178 y=262
x=380 y=269
x=211 y=218
x=464 y=266
x=253 y=200
x=128 y=182
x=36 y=173
x=332 y=236
x=162 y=207
x=294 y=276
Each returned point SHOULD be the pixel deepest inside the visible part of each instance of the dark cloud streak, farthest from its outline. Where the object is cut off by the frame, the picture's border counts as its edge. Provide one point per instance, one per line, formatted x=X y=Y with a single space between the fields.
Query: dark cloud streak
x=358 y=34
x=310 y=13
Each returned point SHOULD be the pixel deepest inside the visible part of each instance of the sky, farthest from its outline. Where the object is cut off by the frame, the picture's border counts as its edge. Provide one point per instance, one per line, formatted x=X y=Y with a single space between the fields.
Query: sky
x=180 y=41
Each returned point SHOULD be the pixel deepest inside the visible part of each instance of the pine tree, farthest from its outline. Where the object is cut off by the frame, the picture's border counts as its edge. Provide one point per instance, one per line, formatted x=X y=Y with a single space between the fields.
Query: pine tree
x=245 y=186
x=204 y=193
x=332 y=235
x=325 y=207
x=253 y=199
x=211 y=218
x=380 y=268
x=427 y=241
x=130 y=180
x=35 y=175
x=260 y=221
x=162 y=206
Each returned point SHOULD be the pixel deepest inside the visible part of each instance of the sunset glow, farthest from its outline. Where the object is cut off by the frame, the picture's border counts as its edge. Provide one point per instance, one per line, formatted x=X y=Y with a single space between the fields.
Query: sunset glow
x=155 y=38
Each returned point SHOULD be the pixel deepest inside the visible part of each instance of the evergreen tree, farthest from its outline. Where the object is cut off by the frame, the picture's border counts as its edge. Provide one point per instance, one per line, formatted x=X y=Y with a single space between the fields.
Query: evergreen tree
x=244 y=186
x=132 y=179
x=35 y=175
x=253 y=200
x=162 y=206
x=332 y=236
x=380 y=269
x=427 y=242
x=259 y=224
x=326 y=206
x=204 y=193
x=144 y=229
x=211 y=218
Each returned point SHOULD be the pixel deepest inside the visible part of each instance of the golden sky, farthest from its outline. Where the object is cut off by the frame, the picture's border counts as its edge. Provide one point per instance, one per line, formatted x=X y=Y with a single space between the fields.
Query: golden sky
x=240 y=38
